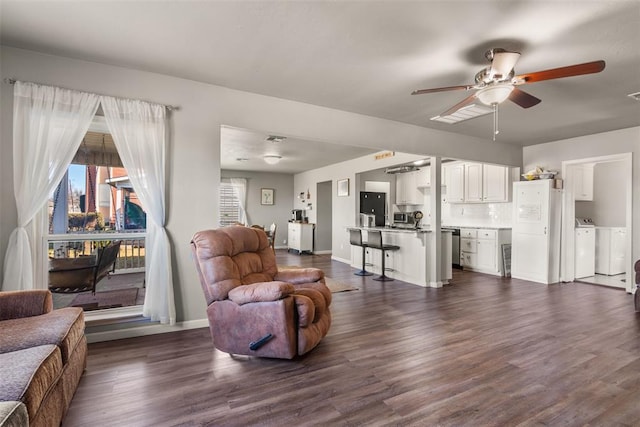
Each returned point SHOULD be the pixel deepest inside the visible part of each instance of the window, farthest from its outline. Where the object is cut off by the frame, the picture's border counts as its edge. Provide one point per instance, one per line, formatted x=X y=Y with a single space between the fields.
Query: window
x=230 y=212
x=93 y=210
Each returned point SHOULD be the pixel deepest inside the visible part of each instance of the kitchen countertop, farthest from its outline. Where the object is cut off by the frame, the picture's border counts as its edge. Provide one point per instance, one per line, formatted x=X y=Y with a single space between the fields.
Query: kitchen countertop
x=483 y=227
x=398 y=229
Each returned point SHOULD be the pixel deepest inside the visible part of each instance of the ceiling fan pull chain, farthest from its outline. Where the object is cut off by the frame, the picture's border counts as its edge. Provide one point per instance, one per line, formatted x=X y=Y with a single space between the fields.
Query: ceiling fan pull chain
x=495 y=121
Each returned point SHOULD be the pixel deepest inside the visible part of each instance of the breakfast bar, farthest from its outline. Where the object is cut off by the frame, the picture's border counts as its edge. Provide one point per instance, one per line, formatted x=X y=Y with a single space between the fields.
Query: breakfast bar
x=411 y=263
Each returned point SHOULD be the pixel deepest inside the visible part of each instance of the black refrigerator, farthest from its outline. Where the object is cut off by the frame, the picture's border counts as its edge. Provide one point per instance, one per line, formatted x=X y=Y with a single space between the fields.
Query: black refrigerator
x=373 y=203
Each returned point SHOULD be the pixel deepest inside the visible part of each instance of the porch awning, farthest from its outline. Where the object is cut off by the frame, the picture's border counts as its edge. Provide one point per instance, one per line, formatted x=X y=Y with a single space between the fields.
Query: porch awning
x=97 y=149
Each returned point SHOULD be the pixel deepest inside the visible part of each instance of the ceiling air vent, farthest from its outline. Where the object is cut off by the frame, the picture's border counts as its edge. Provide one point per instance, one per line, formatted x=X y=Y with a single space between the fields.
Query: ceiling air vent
x=275 y=138
x=469 y=112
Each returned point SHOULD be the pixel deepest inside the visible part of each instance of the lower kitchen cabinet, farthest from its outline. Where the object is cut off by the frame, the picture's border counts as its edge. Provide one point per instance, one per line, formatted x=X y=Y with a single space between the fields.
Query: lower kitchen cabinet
x=481 y=249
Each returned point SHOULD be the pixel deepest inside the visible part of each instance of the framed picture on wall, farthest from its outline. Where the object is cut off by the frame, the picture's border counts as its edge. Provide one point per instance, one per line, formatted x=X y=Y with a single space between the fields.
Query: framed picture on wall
x=266 y=196
x=343 y=187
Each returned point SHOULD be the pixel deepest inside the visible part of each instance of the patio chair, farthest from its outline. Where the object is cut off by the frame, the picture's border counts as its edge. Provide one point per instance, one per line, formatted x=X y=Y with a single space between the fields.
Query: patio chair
x=82 y=274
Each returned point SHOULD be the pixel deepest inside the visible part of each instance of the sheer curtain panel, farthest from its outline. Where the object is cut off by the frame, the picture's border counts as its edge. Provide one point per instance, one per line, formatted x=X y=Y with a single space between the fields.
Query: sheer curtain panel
x=138 y=130
x=48 y=126
x=240 y=188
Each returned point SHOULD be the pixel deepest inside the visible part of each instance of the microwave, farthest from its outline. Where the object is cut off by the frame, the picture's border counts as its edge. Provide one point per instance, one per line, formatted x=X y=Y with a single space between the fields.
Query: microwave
x=403 y=218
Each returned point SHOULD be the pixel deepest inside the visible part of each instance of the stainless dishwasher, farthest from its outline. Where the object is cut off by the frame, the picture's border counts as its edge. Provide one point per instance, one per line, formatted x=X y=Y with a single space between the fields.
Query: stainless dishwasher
x=455 y=247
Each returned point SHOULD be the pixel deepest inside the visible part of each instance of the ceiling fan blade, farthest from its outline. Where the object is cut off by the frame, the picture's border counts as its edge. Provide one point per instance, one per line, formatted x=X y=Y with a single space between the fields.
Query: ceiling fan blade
x=557 y=73
x=503 y=63
x=523 y=99
x=440 y=89
x=468 y=100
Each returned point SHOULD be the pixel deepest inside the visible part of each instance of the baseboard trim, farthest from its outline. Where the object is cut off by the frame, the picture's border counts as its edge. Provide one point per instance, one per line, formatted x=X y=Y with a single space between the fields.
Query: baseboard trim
x=342 y=260
x=322 y=252
x=148 y=329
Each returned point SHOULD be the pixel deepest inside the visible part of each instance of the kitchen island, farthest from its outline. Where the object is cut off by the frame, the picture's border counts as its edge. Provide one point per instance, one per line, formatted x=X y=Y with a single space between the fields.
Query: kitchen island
x=410 y=263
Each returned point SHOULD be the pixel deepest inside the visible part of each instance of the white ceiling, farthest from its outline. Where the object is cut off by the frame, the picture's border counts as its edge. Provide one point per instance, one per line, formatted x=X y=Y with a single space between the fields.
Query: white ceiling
x=298 y=155
x=363 y=56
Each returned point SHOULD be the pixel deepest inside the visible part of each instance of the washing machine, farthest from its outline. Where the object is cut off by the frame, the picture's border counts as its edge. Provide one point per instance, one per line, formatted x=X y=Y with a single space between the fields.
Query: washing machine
x=585 y=242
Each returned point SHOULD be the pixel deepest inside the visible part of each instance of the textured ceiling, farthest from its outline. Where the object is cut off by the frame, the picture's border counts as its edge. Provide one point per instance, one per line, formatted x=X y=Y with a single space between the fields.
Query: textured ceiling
x=363 y=56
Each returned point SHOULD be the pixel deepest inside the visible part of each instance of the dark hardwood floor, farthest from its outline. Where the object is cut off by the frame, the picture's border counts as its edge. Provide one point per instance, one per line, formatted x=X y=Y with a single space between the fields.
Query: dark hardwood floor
x=482 y=351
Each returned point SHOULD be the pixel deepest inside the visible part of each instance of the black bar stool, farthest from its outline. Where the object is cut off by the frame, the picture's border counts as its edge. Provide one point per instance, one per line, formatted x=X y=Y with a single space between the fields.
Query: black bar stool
x=355 y=238
x=374 y=240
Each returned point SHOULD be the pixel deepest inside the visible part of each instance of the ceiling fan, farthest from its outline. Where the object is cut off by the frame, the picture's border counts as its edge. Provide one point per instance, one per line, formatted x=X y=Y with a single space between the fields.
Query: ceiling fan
x=497 y=82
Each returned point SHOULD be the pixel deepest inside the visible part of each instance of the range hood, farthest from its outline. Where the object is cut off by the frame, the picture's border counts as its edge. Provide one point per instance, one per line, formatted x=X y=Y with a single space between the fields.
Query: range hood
x=401 y=169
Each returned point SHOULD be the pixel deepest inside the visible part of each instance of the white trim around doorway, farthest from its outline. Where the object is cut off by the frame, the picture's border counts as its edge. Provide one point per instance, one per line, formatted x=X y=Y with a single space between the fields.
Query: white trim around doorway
x=567 y=250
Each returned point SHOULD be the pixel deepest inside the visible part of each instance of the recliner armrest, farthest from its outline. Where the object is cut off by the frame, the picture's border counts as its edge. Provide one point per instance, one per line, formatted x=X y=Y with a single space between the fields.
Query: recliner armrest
x=17 y=304
x=261 y=292
x=299 y=275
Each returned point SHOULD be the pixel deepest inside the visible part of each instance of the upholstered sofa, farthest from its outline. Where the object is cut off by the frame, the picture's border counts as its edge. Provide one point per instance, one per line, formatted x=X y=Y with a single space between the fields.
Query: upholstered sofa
x=43 y=353
x=248 y=299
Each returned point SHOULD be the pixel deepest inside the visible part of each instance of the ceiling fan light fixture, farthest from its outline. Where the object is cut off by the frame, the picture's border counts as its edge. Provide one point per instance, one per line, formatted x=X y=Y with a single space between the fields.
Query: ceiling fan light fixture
x=494 y=94
x=271 y=159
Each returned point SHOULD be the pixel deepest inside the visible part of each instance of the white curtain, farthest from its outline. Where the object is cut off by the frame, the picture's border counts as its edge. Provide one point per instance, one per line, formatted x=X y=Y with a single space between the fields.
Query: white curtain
x=240 y=188
x=48 y=126
x=138 y=130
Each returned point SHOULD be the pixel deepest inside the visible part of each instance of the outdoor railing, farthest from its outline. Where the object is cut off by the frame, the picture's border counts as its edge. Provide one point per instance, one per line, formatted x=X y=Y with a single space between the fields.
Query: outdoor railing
x=132 y=249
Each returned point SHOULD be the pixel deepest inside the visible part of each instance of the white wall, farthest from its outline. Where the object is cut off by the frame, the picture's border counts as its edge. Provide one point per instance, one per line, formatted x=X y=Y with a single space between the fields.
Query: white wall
x=551 y=156
x=193 y=167
x=278 y=213
x=609 y=196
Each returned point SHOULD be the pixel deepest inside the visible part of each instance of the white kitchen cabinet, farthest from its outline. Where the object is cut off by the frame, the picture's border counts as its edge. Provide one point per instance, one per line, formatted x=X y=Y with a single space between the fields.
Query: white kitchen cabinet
x=455 y=183
x=407 y=192
x=610 y=250
x=300 y=236
x=487 y=249
x=481 y=249
x=495 y=183
x=473 y=182
x=583 y=182
x=423 y=177
x=477 y=183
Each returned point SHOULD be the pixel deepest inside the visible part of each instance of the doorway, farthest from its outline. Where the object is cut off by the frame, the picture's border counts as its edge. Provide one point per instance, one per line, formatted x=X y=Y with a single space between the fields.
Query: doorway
x=324 y=222
x=598 y=189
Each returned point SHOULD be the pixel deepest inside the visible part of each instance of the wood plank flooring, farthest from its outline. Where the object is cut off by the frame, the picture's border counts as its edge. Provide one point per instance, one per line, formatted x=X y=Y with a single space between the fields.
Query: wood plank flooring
x=482 y=351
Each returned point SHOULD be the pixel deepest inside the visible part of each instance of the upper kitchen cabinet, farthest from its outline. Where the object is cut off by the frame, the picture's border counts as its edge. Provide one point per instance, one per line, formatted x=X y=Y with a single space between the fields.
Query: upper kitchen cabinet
x=495 y=183
x=473 y=182
x=407 y=192
x=583 y=182
x=423 y=177
x=454 y=174
x=477 y=183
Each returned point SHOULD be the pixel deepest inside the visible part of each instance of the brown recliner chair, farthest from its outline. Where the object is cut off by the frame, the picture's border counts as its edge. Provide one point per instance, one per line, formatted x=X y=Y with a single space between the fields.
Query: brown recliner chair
x=253 y=308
